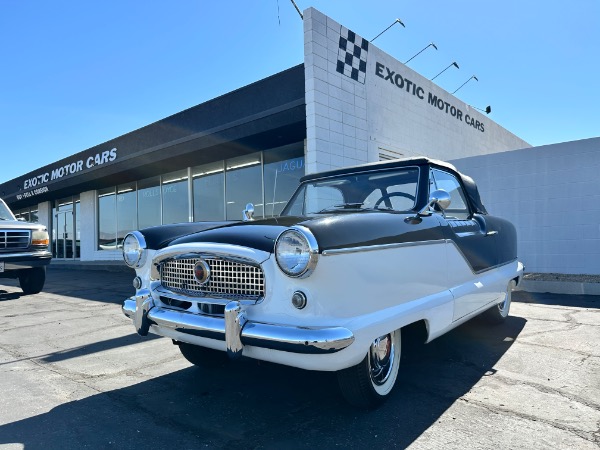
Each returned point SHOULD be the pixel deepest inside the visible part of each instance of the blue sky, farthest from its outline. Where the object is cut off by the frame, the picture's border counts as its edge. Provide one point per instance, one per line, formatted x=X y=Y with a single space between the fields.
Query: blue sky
x=75 y=74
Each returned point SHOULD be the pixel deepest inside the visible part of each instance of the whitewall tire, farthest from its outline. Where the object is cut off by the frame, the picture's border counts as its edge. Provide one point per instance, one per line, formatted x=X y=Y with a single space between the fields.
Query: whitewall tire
x=371 y=381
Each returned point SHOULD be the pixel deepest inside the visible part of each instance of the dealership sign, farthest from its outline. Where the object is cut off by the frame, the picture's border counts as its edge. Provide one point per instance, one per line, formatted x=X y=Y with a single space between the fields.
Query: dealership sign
x=410 y=87
x=35 y=185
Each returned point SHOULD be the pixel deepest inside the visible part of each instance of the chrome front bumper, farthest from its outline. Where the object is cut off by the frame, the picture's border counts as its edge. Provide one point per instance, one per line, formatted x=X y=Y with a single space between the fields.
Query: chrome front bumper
x=235 y=329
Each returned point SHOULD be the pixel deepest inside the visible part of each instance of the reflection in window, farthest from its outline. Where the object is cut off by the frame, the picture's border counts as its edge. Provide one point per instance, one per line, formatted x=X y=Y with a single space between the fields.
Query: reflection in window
x=458 y=206
x=175 y=197
x=148 y=202
x=107 y=219
x=77 y=228
x=126 y=208
x=283 y=169
x=243 y=181
x=209 y=191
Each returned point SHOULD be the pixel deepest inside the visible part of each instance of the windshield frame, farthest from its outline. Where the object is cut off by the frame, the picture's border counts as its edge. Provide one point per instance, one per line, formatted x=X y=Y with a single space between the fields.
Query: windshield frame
x=5 y=212
x=301 y=188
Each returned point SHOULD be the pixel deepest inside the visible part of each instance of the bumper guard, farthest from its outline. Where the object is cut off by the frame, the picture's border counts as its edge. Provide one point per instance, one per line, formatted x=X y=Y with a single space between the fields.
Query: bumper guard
x=235 y=329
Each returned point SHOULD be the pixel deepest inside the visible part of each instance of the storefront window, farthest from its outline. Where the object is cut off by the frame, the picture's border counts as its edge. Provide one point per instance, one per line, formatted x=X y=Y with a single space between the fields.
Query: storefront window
x=243 y=181
x=107 y=219
x=175 y=197
x=148 y=202
x=126 y=211
x=77 y=232
x=283 y=169
x=209 y=192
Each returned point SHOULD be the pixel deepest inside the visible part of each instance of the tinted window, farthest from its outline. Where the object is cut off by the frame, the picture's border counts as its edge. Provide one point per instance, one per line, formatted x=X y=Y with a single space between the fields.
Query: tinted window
x=209 y=191
x=243 y=181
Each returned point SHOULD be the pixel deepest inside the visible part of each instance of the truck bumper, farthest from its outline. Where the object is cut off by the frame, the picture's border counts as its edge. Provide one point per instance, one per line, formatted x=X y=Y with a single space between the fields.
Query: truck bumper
x=234 y=328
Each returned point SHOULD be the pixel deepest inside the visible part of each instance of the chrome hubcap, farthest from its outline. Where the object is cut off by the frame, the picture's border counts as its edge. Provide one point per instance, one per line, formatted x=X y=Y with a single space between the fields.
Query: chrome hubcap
x=381 y=359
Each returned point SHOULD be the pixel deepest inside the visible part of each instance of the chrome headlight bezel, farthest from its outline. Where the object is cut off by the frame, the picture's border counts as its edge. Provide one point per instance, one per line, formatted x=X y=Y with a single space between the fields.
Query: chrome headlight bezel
x=134 y=249
x=297 y=265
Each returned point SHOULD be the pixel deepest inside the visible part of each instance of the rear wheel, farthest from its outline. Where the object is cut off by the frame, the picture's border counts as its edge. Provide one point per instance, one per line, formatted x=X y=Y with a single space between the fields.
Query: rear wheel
x=32 y=280
x=370 y=382
x=498 y=313
x=203 y=357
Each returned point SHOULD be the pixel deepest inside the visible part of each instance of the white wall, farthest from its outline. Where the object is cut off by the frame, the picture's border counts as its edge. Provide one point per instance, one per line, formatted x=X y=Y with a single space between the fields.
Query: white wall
x=551 y=193
x=352 y=121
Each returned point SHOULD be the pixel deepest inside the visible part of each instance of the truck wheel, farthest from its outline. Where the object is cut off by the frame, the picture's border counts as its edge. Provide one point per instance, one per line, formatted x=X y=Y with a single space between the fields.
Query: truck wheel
x=498 y=313
x=32 y=280
x=369 y=383
x=203 y=357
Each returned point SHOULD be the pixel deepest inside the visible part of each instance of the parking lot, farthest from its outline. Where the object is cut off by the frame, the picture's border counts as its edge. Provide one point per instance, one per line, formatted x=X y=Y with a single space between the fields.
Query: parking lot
x=74 y=374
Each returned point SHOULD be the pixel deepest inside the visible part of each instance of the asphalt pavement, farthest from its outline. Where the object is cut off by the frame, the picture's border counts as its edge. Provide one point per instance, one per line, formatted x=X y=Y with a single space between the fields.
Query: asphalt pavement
x=74 y=374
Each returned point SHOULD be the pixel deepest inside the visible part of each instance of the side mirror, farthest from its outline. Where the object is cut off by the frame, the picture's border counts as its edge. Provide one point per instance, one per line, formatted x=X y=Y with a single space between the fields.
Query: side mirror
x=248 y=213
x=440 y=198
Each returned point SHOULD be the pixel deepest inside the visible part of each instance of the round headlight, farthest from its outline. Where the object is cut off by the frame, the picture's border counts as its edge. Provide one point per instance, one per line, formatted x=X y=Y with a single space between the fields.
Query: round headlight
x=134 y=249
x=296 y=252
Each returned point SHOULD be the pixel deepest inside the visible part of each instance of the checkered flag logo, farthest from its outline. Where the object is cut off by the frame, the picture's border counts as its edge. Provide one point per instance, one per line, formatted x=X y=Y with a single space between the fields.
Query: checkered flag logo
x=352 y=56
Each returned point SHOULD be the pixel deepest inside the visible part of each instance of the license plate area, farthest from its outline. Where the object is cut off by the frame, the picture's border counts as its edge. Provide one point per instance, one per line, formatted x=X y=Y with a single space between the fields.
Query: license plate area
x=1 y=266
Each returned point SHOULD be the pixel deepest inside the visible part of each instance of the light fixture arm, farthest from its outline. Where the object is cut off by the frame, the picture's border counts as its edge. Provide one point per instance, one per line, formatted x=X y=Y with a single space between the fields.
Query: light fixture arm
x=431 y=44
x=455 y=64
x=395 y=22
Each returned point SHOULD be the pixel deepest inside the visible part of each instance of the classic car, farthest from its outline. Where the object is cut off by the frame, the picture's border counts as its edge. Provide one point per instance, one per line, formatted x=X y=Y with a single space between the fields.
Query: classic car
x=357 y=255
x=23 y=251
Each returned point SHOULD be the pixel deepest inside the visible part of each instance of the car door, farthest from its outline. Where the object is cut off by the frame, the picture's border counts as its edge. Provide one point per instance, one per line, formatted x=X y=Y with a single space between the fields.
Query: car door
x=472 y=247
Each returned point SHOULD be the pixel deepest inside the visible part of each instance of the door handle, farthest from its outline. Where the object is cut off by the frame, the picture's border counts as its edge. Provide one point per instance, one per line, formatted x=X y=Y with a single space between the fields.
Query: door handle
x=491 y=233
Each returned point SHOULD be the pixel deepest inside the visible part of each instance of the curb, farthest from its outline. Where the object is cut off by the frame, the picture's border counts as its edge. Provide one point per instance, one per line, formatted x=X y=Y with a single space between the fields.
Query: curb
x=559 y=287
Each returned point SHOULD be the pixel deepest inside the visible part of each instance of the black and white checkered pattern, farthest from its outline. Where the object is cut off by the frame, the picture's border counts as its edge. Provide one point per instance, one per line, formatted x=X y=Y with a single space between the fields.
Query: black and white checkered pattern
x=352 y=55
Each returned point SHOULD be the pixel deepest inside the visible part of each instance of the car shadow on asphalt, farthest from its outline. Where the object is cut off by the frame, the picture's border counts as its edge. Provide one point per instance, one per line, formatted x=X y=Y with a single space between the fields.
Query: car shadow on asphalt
x=6 y=295
x=578 y=301
x=252 y=404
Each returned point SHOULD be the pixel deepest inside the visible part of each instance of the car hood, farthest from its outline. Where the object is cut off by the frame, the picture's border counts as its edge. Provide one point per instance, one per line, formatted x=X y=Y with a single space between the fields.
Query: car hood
x=347 y=230
x=19 y=225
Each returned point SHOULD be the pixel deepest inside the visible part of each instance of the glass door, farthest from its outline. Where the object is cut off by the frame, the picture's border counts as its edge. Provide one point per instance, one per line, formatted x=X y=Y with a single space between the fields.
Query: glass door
x=63 y=234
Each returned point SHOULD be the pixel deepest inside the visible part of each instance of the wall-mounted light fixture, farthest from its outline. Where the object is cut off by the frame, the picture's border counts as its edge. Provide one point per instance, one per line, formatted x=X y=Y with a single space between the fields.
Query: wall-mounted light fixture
x=472 y=77
x=487 y=110
x=453 y=64
x=431 y=44
x=395 y=22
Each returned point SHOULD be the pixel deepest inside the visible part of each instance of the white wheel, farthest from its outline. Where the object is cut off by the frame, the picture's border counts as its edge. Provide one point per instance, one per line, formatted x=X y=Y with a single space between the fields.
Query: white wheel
x=499 y=312
x=370 y=382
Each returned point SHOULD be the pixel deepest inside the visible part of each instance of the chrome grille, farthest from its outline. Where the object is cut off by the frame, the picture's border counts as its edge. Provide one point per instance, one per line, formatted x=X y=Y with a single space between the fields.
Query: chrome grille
x=14 y=239
x=228 y=279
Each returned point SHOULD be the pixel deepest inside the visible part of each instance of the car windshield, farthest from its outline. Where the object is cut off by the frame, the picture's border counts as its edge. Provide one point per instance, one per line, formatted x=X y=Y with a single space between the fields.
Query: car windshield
x=5 y=213
x=390 y=190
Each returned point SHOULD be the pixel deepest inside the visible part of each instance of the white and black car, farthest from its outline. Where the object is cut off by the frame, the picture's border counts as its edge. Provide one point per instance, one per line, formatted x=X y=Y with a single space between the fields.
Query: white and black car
x=358 y=254
x=23 y=251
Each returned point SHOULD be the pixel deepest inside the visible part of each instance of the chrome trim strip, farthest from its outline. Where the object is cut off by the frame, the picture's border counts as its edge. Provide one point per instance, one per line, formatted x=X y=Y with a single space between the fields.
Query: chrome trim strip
x=271 y=336
x=369 y=248
x=42 y=254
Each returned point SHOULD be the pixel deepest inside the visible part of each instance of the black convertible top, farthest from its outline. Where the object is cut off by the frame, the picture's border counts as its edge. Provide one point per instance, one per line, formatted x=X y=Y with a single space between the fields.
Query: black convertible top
x=468 y=183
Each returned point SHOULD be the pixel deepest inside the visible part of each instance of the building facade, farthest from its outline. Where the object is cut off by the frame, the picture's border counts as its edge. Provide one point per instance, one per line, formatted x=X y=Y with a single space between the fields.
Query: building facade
x=348 y=103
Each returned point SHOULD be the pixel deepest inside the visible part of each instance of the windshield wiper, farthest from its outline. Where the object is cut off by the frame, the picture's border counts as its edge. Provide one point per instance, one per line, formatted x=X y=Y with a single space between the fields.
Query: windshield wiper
x=343 y=206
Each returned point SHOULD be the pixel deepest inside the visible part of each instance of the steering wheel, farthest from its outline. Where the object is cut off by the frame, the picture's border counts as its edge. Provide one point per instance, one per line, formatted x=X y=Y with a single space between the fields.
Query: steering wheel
x=393 y=194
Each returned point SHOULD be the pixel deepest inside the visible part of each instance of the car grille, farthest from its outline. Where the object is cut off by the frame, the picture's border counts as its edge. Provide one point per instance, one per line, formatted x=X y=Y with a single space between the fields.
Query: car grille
x=14 y=239
x=228 y=279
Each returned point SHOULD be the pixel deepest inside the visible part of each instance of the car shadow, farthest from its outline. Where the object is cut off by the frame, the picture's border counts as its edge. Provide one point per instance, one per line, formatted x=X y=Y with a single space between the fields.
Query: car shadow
x=6 y=295
x=578 y=301
x=251 y=404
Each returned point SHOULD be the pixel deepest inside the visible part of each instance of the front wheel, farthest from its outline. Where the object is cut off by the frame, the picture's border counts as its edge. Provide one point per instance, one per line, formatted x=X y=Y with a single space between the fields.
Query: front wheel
x=370 y=382
x=498 y=313
x=32 y=280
